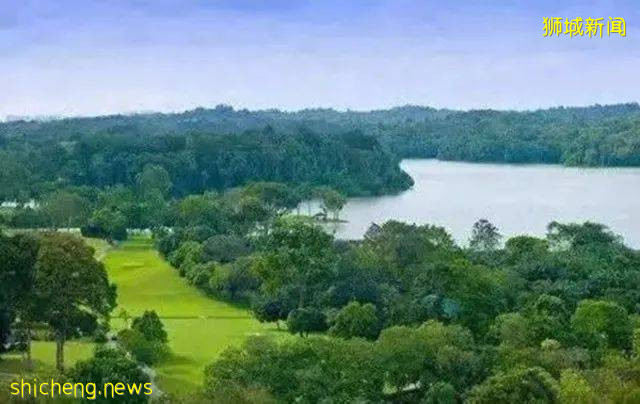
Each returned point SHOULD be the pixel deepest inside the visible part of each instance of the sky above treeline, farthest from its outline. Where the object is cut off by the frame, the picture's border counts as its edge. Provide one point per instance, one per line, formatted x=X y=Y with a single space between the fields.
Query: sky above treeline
x=91 y=57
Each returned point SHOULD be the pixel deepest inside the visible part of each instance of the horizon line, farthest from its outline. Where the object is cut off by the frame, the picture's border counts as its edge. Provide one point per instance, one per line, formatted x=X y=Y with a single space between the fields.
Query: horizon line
x=9 y=118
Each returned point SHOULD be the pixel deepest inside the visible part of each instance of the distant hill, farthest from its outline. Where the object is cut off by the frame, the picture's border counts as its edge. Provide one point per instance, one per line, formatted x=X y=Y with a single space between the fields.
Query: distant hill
x=354 y=151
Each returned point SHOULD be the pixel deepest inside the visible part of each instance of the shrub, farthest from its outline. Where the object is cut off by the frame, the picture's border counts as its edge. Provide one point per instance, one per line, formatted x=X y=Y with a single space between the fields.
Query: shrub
x=224 y=248
x=303 y=321
x=111 y=365
x=150 y=326
x=199 y=275
x=143 y=350
x=532 y=385
x=356 y=320
x=189 y=251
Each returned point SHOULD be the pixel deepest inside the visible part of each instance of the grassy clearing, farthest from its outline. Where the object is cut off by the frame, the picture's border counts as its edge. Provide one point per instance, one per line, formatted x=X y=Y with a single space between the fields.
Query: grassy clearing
x=199 y=327
x=43 y=353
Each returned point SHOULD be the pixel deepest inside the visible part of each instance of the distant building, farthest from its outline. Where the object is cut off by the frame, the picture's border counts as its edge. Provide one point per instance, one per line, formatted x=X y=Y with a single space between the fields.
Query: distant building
x=13 y=204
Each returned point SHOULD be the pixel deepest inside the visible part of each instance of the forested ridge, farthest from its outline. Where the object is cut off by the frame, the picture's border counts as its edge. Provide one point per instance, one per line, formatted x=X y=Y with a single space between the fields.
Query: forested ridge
x=353 y=162
x=355 y=152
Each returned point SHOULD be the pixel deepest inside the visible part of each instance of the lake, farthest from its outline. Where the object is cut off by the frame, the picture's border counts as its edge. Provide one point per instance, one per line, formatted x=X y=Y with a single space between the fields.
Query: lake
x=519 y=199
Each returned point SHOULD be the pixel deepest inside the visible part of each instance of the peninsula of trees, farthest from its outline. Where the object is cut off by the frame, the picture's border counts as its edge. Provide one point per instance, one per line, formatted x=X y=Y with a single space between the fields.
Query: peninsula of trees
x=354 y=152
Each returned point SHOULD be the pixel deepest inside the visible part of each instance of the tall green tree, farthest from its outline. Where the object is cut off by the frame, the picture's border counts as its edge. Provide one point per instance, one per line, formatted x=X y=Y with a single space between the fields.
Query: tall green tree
x=296 y=257
x=153 y=179
x=150 y=326
x=484 y=236
x=602 y=324
x=333 y=201
x=72 y=288
x=66 y=209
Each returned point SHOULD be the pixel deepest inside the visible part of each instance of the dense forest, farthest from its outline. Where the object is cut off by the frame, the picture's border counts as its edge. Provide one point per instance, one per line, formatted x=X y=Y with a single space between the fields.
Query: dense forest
x=355 y=152
x=406 y=315
x=197 y=161
x=403 y=315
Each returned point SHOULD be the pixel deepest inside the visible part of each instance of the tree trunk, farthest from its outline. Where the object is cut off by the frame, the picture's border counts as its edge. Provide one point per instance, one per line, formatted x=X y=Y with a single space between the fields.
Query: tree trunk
x=60 y=351
x=28 y=336
x=301 y=298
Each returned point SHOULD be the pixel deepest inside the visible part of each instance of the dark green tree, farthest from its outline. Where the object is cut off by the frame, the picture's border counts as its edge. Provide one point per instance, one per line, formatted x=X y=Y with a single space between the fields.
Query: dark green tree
x=356 y=320
x=532 y=385
x=66 y=209
x=150 y=326
x=484 y=236
x=332 y=201
x=71 y=287
x=602 y=324
x=305 y=320
x=110 y=365
x=296 y=257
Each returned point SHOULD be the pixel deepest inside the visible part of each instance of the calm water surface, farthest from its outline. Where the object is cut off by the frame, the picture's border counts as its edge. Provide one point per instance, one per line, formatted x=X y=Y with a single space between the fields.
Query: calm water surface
x=518 y=199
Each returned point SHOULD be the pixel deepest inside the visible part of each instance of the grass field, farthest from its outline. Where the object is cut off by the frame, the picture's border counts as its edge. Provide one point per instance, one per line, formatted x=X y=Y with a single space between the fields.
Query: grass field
x=199 y=327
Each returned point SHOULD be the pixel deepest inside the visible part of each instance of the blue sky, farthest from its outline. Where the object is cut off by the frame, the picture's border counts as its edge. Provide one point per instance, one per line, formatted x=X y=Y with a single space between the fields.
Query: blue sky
x=86 y=57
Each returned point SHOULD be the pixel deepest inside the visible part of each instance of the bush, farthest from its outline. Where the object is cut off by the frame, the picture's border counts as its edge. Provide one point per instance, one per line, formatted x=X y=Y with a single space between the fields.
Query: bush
x=532 y=385
x=199 y=275
x=303 y=321
x=111 y=365
x=224 y=248
x=150 y=326
x=440 y=393
x=356 y=320
x=234 y=281
x=189 y=251
x=143 y=350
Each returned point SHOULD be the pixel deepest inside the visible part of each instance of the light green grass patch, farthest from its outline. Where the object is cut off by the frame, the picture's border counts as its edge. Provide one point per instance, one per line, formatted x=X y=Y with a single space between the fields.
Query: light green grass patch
x=43 y=354
x=199 y=327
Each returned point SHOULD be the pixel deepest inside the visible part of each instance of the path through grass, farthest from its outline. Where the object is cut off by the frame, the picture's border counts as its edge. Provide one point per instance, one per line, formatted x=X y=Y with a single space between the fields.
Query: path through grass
x=199 y=327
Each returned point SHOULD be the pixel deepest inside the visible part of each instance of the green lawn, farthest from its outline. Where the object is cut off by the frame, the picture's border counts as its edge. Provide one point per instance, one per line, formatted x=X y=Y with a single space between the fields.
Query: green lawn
x=199 y=327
